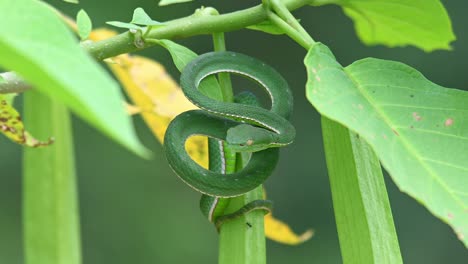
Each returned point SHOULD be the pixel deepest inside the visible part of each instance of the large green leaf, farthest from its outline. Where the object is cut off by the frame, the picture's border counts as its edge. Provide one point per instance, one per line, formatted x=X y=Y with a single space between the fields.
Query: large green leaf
x=37 y=45
x=418 y=129
x=421 y=23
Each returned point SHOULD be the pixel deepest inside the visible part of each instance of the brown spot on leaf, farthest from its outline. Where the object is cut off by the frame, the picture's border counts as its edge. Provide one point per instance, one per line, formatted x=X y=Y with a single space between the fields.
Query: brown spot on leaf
x=395 y=132
x=448 y=122
x=450 y=216
x=416 y=116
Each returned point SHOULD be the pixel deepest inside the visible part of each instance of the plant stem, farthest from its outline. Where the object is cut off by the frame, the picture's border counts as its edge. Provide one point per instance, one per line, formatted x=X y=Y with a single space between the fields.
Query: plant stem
x=12 y=83
x=242 y=240
x=187 y=27
x=239 y=242
x=223 y=77
x=290 y=31
x=178 y=28
x=50 y=207
x=281 y=9
x=362 y=210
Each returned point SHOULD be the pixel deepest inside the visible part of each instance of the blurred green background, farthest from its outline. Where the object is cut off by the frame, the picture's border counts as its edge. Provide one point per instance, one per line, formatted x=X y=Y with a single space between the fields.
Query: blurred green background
x=138 y=211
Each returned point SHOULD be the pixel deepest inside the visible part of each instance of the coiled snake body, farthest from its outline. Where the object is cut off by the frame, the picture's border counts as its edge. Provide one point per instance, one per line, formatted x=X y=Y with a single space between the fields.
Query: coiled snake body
x=243 y=128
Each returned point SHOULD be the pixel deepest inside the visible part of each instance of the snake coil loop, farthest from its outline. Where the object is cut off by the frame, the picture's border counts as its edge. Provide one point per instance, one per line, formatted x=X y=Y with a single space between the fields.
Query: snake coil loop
x=244 y=128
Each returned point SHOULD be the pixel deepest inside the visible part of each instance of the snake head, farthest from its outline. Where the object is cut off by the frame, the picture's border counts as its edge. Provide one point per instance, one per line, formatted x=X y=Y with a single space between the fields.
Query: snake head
x=247 y=138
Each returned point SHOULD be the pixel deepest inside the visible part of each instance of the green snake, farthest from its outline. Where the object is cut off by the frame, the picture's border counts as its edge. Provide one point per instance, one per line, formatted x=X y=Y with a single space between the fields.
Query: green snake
x=232 y=128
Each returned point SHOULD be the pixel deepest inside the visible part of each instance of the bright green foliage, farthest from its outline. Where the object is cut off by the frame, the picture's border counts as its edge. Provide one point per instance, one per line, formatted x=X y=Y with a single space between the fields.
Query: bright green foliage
x=421 y=23
x=84 y=24
x=141 y=18
x=39 y=47
x=362 y=210
x=2 y=79
x=50 y=204
x=418 y=129
x=170 y=2
x=182 y=56
x=72 y=1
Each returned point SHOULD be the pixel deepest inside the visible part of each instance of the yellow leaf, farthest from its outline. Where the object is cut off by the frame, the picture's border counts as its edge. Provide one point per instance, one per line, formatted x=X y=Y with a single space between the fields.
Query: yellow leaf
x=279 y=231
x=159 y=99
x=156 y=95
x=12 y=126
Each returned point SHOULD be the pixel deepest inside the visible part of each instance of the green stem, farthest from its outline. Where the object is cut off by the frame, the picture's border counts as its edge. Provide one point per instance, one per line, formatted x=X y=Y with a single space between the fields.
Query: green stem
x=282 y=10
x=241 y=240
x=178 y=28
x=187 y=27
x=223 y=77
x=290 y=31
x=50 y=207
x=362 y=210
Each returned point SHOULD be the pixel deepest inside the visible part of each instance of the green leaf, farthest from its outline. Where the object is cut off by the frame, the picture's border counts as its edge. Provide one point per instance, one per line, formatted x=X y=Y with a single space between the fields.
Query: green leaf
x=84 y=24
x=50 y=203
x=141 y=18
x=39 y=47
x=182 y=56
x=268 y=27
x=72 y=1
x=421 y=23
x=123 y=25
x=418 y=129
x=362 y=211
x=2 y=80
x=170 y=2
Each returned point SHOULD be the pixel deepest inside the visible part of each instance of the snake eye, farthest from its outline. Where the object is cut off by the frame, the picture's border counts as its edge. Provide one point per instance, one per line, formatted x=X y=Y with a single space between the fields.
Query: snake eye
x=241 y=145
